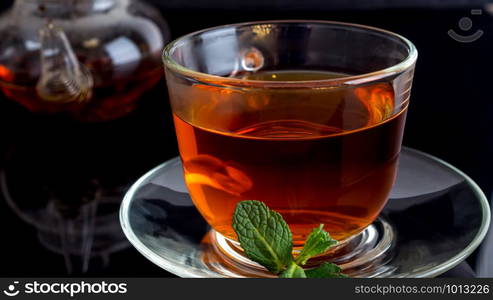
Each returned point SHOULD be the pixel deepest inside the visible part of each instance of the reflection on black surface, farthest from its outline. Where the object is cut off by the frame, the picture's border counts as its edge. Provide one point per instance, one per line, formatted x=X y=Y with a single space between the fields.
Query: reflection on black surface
x=83 y=227
x=169 y=210
x=65 y=180
x=437 y=224
x=449 y=212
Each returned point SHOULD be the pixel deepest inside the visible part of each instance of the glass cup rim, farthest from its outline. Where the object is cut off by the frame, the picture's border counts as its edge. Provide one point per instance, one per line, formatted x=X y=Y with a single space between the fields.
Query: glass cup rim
x=357 y=79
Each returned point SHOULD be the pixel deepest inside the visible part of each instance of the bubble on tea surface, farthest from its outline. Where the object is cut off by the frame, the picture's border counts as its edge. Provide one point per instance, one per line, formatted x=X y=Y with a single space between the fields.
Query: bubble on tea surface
x=252 y=59
x=208 y=170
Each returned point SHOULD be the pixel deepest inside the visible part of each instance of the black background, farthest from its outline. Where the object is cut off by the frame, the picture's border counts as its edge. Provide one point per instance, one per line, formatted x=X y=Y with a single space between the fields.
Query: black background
x=450 y=117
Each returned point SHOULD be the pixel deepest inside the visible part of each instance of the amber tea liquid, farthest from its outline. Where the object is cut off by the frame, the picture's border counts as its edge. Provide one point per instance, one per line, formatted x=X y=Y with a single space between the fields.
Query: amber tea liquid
x=316 y=156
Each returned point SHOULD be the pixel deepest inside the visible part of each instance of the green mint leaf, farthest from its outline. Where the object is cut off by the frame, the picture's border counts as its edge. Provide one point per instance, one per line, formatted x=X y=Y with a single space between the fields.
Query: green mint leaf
x=326 y=270
x=293 y=271
x=317 y=242
x=264 y=235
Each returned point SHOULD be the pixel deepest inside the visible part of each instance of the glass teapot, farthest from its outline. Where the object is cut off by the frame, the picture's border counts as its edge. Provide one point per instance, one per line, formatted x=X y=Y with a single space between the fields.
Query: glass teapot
x=89 y=59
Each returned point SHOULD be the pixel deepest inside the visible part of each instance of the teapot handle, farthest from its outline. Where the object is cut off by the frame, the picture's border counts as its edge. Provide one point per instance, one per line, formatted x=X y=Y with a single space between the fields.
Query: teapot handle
x=63 y=78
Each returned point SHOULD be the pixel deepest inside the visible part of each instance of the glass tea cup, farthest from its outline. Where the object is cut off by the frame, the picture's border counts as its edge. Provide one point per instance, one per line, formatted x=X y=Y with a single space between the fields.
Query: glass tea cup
x=305 y=116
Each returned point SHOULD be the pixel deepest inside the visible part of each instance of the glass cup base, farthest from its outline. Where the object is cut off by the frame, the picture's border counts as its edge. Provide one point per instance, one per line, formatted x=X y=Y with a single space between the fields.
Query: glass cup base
x=364 y=255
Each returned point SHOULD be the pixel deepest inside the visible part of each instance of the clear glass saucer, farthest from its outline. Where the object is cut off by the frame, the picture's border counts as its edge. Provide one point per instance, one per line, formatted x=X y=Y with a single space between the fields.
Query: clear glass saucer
x=435 y=218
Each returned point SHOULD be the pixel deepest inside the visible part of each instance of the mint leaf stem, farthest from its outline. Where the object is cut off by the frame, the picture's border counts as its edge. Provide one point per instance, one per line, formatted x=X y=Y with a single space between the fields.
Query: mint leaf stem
x=293 y=271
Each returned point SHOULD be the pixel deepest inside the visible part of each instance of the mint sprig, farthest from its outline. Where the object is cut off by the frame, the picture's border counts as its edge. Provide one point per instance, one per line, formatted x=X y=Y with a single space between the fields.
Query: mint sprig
x=266 y=239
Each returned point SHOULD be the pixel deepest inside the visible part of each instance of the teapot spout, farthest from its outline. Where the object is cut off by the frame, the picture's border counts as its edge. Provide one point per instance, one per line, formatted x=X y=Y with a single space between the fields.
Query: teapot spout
x=63 y=78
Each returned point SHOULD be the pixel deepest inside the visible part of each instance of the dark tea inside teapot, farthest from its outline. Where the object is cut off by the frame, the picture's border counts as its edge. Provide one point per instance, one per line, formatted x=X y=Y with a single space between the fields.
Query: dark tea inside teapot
x=88 y=59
